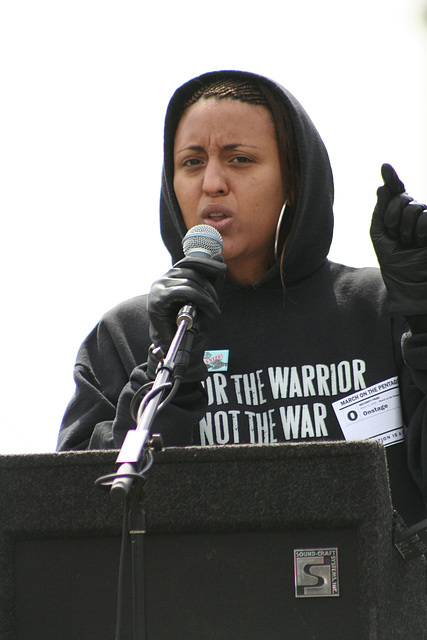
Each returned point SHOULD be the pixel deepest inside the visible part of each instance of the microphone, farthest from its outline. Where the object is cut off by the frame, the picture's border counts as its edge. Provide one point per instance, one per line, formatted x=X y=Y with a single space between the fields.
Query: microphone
x=201 y=241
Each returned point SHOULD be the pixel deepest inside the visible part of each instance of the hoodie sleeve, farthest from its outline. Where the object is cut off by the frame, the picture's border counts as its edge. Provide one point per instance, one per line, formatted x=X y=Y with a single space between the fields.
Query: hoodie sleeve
x=100 y=373
x=414 y=348
x=107 y=373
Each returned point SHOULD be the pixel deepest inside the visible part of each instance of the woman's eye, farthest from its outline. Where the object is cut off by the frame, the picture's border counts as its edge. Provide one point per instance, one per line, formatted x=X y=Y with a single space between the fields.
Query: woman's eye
x=241 y=159
x=191 y=162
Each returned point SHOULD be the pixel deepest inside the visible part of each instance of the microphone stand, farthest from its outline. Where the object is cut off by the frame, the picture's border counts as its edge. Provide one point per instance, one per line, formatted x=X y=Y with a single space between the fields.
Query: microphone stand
x=128 y=482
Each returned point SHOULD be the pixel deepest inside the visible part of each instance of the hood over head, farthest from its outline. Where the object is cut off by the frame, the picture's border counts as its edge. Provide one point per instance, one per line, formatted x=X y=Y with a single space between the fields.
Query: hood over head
x=311 y=233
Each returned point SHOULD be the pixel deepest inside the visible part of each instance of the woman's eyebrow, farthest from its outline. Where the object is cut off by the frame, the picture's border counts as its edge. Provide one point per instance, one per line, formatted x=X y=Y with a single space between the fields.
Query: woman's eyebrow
x=227 y=147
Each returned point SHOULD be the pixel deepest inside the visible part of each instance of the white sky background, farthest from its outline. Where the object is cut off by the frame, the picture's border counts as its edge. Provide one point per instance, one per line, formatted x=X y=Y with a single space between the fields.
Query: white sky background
x=84 y=87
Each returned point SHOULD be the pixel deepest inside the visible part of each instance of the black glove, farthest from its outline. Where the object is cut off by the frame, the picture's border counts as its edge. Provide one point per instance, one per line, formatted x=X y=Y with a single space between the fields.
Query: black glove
x=399 y=236
x=190 y=281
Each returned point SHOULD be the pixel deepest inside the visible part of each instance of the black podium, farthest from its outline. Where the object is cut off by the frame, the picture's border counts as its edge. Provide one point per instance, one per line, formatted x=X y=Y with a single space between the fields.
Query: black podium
x=289 y=541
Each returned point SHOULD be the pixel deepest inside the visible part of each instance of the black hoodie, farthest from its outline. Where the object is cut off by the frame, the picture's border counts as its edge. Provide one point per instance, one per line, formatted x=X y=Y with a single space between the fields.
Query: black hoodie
x=307 y=353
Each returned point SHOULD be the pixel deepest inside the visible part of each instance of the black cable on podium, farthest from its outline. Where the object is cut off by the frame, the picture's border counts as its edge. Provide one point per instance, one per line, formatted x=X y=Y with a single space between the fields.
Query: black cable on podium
x=136 y=459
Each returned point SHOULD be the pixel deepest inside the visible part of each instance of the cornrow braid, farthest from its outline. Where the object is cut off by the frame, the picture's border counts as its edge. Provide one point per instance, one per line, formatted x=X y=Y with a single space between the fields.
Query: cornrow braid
x=241 y=90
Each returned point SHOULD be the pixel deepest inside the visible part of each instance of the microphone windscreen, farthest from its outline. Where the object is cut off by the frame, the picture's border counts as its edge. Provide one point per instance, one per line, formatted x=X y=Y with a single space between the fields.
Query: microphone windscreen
x=202 y=241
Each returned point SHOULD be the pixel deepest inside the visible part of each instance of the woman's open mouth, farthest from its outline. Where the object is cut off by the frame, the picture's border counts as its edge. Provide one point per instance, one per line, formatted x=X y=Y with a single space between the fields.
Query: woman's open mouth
x=218 y=216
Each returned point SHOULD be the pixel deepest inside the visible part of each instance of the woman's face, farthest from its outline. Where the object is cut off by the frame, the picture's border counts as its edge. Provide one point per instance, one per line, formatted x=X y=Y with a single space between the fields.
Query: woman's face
x=227 y=174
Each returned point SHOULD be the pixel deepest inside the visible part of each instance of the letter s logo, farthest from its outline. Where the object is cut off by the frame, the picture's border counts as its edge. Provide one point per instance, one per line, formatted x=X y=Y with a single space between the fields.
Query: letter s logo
x=315 y=572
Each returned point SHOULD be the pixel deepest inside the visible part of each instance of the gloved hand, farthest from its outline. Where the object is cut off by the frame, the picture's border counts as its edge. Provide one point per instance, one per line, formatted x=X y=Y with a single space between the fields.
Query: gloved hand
x=190 y=281
x=399 y=236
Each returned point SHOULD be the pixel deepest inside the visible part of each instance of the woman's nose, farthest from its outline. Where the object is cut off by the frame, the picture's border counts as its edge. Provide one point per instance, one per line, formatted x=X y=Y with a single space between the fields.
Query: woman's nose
x=214 y=178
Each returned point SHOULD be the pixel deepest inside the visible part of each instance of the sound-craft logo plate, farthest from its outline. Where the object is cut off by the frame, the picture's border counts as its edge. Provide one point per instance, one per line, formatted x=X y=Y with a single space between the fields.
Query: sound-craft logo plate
x=316 y=573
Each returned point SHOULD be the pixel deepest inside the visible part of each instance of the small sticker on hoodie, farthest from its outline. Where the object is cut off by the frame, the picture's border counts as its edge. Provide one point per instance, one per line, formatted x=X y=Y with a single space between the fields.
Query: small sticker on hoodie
x=216 y=360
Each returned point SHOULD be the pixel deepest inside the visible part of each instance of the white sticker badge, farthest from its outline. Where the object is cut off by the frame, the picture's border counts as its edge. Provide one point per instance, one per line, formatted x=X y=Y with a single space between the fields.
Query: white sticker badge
x=372 y=413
